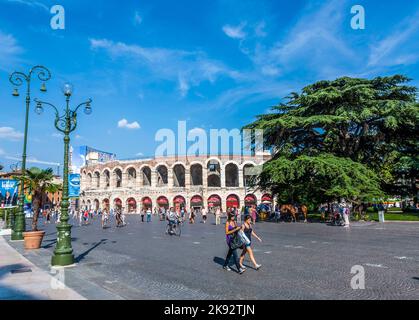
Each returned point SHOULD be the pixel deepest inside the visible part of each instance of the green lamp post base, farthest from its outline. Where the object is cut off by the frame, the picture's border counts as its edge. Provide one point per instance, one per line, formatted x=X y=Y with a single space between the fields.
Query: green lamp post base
x=19 y=226
x=62 y=259
x=17 y=236
x=63 y=253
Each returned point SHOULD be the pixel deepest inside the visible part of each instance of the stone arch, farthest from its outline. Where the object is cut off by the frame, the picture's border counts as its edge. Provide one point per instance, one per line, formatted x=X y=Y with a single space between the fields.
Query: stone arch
x=131 y=174
x=248 y=176
x=214 y=172
x=162 y=175
x=196 y=170
x=232 y=201
x=231 y=174
x=131 y=205
x=179 y=173
x=179 y=201
x=214 y=201
x=146 y=202
x=117 y=175
x=106 y=173
x=96 y=204
x=146 y=175
x=89 y=180
x=163 y=202
x=96 y=179
x=197 y=201
x=106 y=204
x=117 y=203
x=250 y=200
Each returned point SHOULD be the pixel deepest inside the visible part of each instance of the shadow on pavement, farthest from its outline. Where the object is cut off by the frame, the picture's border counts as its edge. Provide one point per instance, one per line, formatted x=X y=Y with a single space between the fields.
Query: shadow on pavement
x=84 y=254
x=9 y=293
x=219 y=261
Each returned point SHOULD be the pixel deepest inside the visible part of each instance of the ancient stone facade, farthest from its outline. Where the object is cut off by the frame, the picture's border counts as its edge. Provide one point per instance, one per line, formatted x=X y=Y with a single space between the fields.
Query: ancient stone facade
x=210 y=181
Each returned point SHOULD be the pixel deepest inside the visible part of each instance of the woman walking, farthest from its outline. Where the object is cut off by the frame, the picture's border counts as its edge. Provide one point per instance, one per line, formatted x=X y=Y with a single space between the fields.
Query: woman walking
x=231 y=229
x=248 y=231
x=149 y=215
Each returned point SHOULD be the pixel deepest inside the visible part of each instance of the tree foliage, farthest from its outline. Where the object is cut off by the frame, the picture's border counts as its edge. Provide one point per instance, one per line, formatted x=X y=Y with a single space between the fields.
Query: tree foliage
x=37 y=183
x=369 y=127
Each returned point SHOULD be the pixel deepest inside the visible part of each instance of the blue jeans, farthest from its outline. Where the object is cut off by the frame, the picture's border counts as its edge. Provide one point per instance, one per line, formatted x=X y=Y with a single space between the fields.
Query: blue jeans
x=149 y=218
x=232 y=252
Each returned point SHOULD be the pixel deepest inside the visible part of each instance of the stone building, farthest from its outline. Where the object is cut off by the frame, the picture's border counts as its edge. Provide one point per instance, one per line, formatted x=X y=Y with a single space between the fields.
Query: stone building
x=210 y=181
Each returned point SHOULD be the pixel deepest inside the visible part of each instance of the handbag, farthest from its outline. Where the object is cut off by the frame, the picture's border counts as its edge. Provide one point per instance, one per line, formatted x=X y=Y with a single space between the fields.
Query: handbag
x=236 y=241
x=243 y=237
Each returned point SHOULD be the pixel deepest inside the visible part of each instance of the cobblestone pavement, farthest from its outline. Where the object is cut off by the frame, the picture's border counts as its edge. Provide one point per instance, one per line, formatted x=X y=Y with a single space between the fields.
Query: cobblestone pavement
x=299 y=261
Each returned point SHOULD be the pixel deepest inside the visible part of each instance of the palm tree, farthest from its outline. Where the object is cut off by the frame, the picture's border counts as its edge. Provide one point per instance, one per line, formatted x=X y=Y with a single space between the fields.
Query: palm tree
x=37 y=183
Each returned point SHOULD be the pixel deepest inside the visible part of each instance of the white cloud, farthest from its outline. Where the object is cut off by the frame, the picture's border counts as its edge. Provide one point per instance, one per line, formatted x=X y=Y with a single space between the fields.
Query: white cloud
x=183 y=86
x=10 y=134
x=260 y=30
x=235 y=32
x=138 y=19
x=139 y=154
x=57 y=135
x=123 y=123
x=9 y=50
x=185 y=68
x=35 y=160
x=392 y=49
x=31 y=3
x=2 y=152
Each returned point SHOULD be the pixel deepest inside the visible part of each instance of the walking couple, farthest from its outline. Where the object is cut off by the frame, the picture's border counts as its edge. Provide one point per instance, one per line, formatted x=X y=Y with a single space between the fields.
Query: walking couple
x=239 y=237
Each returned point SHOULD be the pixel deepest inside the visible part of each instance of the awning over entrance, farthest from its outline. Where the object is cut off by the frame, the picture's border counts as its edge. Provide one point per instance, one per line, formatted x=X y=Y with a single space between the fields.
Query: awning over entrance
x=214 y=201
x=233 y=201
x=162 y=201
x=250 y=199
x=197 y=201
x=267 y=198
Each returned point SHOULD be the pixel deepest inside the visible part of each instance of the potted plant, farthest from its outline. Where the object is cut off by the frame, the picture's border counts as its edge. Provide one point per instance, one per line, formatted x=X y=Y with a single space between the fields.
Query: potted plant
x=37 y=183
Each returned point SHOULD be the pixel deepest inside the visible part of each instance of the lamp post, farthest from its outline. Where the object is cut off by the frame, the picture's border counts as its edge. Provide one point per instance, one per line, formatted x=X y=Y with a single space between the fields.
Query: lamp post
x=66 y=123
x=18 y=79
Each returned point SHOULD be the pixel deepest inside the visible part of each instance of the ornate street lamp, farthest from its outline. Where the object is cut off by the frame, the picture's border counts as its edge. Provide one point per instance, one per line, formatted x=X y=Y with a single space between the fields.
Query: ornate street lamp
x=18 y=79
x=66 y=123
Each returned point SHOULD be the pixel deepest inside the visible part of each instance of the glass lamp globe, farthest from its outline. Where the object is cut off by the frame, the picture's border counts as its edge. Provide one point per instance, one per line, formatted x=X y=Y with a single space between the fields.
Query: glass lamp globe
x=68 y=89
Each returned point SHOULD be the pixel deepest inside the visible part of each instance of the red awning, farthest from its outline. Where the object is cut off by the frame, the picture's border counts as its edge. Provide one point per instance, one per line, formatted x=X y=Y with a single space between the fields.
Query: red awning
x=147 y=201
x=267 y=197
x=232 y=201
x=132 y=201
x=179 y=199
x=214 y=199
x=196 y=199
x=162 y=200
x=118 y=201
x=250 y=198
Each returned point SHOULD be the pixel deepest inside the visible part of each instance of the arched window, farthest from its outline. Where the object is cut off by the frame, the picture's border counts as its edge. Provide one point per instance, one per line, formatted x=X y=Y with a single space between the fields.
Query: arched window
x=179 y=175
x=196 y=175
x=161 y=175
x=132 y=176
x=118 y=178
x=146 y=172
x=232 y=175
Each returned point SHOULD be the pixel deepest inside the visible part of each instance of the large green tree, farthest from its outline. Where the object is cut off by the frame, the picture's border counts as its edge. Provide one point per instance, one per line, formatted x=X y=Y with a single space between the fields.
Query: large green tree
x=352 y=138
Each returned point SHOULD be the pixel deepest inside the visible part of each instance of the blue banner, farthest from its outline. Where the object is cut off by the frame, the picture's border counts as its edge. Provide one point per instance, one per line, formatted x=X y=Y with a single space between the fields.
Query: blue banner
x=74 y=185
x=8 y=192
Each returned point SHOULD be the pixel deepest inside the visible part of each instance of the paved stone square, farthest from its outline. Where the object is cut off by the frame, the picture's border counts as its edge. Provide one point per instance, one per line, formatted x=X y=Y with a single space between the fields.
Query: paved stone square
x=299 y=261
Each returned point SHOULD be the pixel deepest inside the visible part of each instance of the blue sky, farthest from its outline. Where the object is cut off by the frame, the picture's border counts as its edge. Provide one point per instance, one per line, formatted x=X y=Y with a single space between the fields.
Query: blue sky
x=215 y=64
